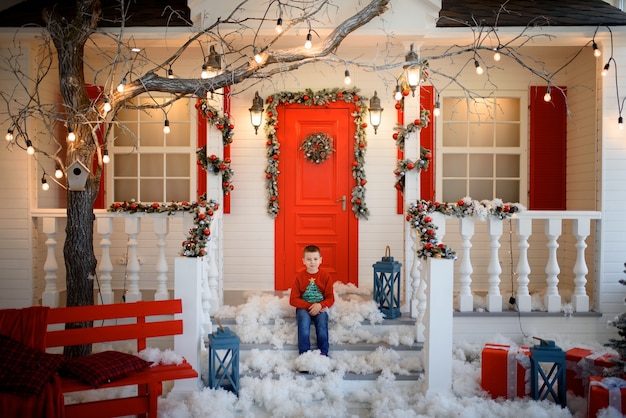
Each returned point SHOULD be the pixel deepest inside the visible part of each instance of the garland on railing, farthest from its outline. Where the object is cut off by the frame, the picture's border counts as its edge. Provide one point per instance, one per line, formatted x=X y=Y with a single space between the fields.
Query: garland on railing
x=222 y=123
x=402 y=132
x=407 y=165
x=418 y=216
x=215 y=165
x=320 y=98
x=198 y=235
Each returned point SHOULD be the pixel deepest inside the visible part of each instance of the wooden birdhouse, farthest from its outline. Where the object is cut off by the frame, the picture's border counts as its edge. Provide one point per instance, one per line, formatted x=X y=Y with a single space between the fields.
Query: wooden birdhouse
x=77 y=174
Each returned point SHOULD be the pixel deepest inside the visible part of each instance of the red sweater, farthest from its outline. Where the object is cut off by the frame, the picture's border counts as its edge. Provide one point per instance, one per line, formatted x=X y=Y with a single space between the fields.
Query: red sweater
x=324 y=283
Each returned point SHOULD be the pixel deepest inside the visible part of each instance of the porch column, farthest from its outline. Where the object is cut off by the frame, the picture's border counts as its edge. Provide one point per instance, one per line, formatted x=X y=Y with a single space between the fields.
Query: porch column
x=580 y=299
x=105 y=229
x=133 y=228
x=552 y=298
x=494 y=298
x=524 y=231
x=50 y=295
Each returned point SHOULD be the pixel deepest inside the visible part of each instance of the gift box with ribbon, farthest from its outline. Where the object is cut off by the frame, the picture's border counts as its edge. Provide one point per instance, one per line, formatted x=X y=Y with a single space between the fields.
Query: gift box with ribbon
x=581 y=364
x=605 y=392
x=505 y=371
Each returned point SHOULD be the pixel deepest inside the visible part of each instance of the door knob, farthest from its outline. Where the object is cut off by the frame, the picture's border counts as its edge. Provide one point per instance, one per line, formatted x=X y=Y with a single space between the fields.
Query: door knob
x=343 y=202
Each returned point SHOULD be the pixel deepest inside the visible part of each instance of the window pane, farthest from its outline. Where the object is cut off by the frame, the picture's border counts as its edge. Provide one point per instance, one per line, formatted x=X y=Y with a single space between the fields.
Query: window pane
x=454 y=190
x=507 y=135
x=481 y=135
x=508 y=190
x=151 y=135
x=481 y=110
x=454 y=135
x=481 y=189
x=151 y=165
x=454 y=109
x=125 y=190
x=454 y=165
x=126 y=136
x=177 y=190
x=507 y=166
x=177 y=165
x=180 y=136
x=126 y=113
x=481 y=165
x=150 y=115
x=178 y=111
x=508 y=109
x=152 y=190
x=125 y=165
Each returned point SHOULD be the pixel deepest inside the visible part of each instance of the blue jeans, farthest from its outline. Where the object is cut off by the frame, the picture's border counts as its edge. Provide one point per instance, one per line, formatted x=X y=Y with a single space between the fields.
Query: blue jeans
x=304 y=330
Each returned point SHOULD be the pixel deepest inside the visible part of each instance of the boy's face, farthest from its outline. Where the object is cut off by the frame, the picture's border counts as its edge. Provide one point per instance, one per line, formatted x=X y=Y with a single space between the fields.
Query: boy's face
x=312 y=261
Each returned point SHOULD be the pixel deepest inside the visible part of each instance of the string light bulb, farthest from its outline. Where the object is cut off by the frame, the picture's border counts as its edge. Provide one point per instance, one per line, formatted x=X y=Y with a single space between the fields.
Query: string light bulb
x=479 y=69
x=279 y=25
x=437 y=109
x=170 y=72
x=309 y=38
x=205 y=72
x=620 y=123
x=496 y=54
x=30 y=150
x=605 y=70
x=58 y=173
x=71 y=136
x=398 y=94
x=107 y=105
x=166 y=127
x=347 y=80
x=44 y=183
x=105 y=156
x=9 y=136
x=596 y=51
x=122 y=85
x=547 y=97
x=257 y=57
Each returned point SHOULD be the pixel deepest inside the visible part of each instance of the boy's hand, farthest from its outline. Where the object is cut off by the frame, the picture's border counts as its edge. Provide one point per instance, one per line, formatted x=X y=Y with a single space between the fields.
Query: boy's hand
x=315 y=309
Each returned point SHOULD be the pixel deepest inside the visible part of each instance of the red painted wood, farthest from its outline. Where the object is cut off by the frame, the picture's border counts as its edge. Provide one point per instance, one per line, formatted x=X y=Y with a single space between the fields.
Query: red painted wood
x=309 y=193
x=548 y=136
x=226 y=203
x=427 y=140
x=201 y=187
x=399 y=196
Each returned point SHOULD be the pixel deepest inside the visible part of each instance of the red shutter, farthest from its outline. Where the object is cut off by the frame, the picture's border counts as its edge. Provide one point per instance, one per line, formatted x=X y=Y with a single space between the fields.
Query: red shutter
x=548 y=136
x=427 y=140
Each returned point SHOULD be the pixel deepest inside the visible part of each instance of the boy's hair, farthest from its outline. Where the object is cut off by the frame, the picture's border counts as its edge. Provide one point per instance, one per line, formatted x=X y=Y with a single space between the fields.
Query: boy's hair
x=311 y=249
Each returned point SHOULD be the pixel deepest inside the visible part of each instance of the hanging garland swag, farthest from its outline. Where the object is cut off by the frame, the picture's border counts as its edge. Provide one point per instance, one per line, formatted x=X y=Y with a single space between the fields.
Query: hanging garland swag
x=317 y=147
x=319 y=98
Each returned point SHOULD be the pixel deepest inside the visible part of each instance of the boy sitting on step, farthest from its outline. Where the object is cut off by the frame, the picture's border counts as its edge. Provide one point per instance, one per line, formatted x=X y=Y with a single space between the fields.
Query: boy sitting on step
x=312 y=294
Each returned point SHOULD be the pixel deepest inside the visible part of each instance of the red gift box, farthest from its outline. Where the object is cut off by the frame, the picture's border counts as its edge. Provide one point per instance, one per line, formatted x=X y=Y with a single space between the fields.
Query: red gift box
x=505 y=371
x=582 y=364
x=605 y=392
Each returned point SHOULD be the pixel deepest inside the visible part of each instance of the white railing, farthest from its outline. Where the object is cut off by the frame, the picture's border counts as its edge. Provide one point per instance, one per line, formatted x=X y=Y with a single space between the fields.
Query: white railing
x=542 y=259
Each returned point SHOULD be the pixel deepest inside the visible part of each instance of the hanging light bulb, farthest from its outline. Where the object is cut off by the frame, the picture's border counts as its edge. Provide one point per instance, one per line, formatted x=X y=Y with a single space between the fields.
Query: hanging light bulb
x=107 y=105
x=398 y=94
x=309 y=38
x=605 y=70
x=437 y=109
x=71 y=136
x=279 y=25
x=44 y=183
x=347 y=80
x=496 y=54
x=30 y=150
x=479 y=69
x=257 y=57
x=596 y=51
x=620 y=122
x=205 y=73
x=105 y=156
x=122 y=85
x=9 y=136
x=547 y=97
x=166 y=127
x=58 y=173
x=170 y=72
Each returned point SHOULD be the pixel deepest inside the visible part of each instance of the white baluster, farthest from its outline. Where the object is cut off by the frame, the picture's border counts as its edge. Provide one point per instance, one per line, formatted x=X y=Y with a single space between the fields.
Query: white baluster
x=161 y=229
x=466 y=298
x=580 y=299
x=414 y=272
x=524 y=231
x=206 y=297
x=418 y=296
x=552 y=298
x=105 y=228
x=494 y=298
x=133 y=227
x=422 y=305
x=50 y=295
x=213 y=272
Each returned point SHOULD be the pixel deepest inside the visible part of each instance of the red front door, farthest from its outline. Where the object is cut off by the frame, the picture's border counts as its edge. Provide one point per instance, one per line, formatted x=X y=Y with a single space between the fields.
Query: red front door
x=315 y=198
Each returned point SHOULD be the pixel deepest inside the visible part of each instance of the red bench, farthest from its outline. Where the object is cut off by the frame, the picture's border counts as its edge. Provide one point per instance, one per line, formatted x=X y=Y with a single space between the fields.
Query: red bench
x=149 y=381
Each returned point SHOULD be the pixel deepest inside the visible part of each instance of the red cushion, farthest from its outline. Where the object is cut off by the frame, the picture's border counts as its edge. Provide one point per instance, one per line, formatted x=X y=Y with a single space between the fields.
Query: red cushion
x=107 y=366
x=23 y=370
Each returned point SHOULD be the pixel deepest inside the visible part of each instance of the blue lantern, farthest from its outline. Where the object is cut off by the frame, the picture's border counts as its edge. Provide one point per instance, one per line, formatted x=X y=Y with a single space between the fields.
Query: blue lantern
x=224 y=360
x=553 y=383
x=387 y=285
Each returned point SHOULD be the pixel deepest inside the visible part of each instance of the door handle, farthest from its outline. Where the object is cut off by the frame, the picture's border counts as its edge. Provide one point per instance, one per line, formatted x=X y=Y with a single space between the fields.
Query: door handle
x=343 y=202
